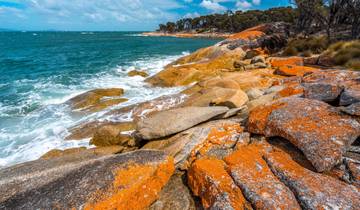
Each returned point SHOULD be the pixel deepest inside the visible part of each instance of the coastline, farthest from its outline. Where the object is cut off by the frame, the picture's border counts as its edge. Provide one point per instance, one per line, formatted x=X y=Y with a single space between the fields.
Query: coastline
x=282 y=120
x=188 y=35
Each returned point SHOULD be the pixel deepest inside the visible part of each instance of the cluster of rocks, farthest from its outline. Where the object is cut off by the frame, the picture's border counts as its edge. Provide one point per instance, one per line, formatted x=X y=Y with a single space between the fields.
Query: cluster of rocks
x=271 y=134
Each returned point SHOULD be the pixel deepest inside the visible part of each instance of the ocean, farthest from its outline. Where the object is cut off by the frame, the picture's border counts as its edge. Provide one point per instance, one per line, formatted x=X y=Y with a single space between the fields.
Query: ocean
x=39 y=71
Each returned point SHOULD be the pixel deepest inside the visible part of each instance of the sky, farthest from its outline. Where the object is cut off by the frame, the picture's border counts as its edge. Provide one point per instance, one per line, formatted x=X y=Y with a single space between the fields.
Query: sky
x=113 y=15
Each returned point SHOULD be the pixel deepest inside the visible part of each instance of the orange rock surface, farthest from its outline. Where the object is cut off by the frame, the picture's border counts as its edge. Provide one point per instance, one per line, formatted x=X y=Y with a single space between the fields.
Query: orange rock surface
x=251 y=173
x=136 y=187
x=319 y=130
x=209 y=180
x=313 y=190
x=292 y=70
x=293 y=61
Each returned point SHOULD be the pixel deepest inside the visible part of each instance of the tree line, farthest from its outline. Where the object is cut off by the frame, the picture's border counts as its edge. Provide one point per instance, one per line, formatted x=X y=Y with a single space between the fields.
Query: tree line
x=230 y=22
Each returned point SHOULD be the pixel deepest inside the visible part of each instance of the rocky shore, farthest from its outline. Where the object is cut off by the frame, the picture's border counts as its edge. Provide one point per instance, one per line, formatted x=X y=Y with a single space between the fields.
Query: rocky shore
x=250 y=131
x=188 y=34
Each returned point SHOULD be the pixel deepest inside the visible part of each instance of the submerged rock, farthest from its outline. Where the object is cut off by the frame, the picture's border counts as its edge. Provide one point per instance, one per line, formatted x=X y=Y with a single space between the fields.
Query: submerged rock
x=165 y=123
x=313 y=190
x=96 y=100
x=209 y=180
x=134 y=73
x=109 y=182
x=316 y=128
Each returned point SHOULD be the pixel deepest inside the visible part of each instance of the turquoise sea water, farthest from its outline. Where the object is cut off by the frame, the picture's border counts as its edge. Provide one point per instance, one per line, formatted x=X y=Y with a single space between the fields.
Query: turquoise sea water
x=41 y=70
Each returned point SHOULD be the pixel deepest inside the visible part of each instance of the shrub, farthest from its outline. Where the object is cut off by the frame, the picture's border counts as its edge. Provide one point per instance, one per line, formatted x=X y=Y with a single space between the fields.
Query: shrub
x=345 y=54
x=306 y=46
x=354 y=64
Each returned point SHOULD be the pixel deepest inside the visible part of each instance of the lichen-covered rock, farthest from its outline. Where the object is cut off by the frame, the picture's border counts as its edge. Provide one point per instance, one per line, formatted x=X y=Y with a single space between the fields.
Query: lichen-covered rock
x=291 y=70
x=353 y=109
x=292 y=61
x=259 y=185
x=114 y=134
x=354 y=169
x=208 y=179
x=175 y=196
x=316 y=128
x=327 y=92
x=134 y=73
x=313 y=190
x=96 y=100
x=107 y=182
x=173 y=121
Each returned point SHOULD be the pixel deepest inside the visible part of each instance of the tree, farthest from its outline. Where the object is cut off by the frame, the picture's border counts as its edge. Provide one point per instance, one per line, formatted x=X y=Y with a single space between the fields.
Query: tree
x=352 y=8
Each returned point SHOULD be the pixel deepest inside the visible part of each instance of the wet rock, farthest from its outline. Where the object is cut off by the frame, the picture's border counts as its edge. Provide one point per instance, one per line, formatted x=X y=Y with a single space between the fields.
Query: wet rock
x=316 y=128
x=353 y=109
x=350 y=95
x=114 y=134
x=254 y=93
x=258 y=59
x=322 y=91
x=229 y=98
x=82 y=151
x=313 y=190
x=175 y=196
x=96 y=100
x=134 y=73
x=259 y=185
x=71 y=182
x=165 y=123
x=209 y=180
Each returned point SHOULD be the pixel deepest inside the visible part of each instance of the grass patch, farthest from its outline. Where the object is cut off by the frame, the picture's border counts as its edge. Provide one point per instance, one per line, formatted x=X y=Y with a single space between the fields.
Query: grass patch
x=306 y=47
x=345 y=54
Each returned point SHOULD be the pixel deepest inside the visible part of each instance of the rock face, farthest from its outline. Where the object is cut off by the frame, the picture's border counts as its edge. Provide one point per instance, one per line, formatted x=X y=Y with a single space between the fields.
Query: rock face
x=175 y=196
x=165 y=123
x=110 y=182
x=134 y=73
x=96 y=100
x=251 y=173
x=209 y=180
x=313 y=190
x=319 y=130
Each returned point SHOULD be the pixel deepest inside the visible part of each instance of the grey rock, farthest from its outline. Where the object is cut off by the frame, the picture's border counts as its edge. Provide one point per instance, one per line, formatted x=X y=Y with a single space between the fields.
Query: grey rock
x=327 y=92
x=350 y=96
x=353 y=109
x=170 y=122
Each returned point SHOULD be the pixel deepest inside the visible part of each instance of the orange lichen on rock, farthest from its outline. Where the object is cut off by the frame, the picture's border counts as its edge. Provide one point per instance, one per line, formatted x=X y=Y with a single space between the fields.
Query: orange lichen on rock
x=259 y=185
x=247 y=35
x=293 y=70
x=135 y=187
x=320 y=131
x=290 y=90
x=209 y=180
x=313 y=190
x=293 y=61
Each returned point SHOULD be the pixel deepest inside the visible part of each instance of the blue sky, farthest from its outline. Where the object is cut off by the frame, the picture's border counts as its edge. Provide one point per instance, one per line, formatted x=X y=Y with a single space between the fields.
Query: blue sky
x=114 y=15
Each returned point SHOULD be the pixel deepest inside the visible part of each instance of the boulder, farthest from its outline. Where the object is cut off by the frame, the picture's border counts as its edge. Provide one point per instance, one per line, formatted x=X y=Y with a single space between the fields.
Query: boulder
x=108 y=182
x=173 y=121
x=114 y=134
x=261 y=101
x=96 y=100
x=259 y=185
x=134 y=73
x=82 y=151
x=350 y=95
x=175 y=196
x=258 y=59
x=220 y=82
x=327 y=92
x=353 y=109
x=291 y=70
x=230 y=99
x=208 y=179
x=291 y=90
x=252 y=53
x=320 y=131
x=313 y=190
x=354 y=168
x=293 y=61
x=254 y=93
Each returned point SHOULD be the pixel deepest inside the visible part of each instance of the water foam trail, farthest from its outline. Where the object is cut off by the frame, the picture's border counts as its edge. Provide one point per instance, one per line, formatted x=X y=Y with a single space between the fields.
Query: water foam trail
x=27 y=136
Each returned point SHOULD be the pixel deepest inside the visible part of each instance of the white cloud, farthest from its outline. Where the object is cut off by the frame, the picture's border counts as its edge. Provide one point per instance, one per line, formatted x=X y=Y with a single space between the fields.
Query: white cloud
x=256 y=2
x=213 y=5
x=243 y=5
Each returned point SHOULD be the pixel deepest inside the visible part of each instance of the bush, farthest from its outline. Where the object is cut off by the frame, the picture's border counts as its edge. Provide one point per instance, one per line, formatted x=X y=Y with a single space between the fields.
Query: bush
x=354 y=64
x=308 y=46
x=345 y=54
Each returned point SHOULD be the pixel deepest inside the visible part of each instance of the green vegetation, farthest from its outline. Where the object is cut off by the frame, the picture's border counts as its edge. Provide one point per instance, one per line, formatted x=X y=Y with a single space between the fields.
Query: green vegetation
x=306 y=47
x=230 y=21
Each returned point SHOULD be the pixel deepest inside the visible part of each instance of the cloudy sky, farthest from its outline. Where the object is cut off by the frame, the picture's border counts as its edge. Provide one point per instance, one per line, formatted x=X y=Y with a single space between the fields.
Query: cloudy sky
x=118 y=15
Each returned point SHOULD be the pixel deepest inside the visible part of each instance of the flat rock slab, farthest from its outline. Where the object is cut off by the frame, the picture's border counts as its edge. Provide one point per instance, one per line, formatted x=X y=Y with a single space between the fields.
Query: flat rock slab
x=109 y=182
x=209 y=180
x=170 y=122
x=313 y=190
x=259 y=185
x=320 y=131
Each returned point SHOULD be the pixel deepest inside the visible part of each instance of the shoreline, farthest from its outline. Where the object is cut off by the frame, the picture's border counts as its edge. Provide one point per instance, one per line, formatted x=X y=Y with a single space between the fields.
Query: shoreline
x=189 y=35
